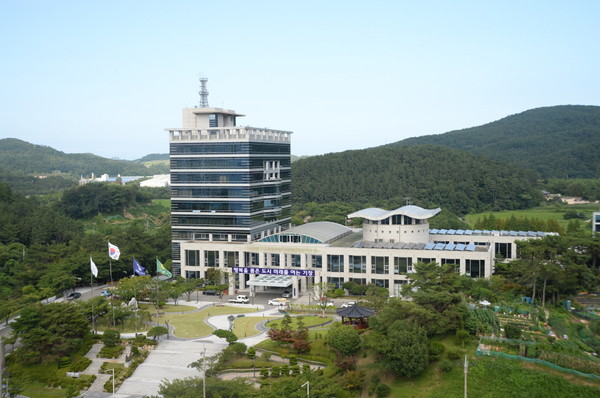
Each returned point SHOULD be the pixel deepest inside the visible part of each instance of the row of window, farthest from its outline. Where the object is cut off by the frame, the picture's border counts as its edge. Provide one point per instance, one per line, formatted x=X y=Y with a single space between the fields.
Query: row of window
x=219 y=177
x=228 y=221
x=397 y=219
x=222 y=163
x=230 y=192
x=229 y=148
x=334 y=263
x=229 y=207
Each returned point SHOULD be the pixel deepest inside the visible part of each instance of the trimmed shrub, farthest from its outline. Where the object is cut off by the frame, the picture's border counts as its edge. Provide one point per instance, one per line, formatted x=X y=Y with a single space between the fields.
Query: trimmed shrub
x=111 y=337
x=453 y=355
x=436 y=350
x=382 y=390
x=446 y=366
x=80 y=365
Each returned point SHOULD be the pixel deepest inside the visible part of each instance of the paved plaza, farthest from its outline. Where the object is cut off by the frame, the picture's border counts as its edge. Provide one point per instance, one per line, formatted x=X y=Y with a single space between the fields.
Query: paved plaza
x=170 y=359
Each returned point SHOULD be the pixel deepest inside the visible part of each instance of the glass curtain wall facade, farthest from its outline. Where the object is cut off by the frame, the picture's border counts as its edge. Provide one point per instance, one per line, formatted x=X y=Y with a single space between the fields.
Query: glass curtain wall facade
x=228 y=183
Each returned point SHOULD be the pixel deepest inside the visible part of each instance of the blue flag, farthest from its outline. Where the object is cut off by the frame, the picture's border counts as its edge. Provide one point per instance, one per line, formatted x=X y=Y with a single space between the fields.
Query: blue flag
x=138 y=269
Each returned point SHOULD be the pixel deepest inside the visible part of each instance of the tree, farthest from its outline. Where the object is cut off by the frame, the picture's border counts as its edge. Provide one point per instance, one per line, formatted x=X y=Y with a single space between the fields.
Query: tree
x=157 y=331
x=344 y=340
x=319 y=293
x=230 y=337
x=403 y=348
x=49 y=331
x=111 y=337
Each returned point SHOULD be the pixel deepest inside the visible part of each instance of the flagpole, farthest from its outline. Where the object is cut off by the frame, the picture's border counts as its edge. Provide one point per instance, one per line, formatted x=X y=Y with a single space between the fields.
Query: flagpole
x=93 y=319
x=112 y=304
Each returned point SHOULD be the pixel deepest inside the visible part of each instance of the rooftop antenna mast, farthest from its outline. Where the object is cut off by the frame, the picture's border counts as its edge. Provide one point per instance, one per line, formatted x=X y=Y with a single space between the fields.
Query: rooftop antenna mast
x=203 y=93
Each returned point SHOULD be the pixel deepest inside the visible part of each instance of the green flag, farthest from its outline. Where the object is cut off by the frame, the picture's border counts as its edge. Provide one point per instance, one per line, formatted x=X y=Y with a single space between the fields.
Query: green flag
x=162 y=270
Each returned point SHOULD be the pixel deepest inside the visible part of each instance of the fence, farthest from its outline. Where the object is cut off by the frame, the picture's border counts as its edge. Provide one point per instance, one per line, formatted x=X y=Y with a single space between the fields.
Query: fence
x=535 y=360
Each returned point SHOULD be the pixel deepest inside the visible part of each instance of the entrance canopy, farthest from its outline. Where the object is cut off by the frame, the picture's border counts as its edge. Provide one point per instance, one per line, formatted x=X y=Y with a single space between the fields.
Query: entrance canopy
x=271 y=281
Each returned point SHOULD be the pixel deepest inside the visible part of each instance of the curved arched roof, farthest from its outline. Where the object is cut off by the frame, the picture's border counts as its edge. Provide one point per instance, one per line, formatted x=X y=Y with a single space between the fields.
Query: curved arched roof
x=319 y=231
x=377 y=214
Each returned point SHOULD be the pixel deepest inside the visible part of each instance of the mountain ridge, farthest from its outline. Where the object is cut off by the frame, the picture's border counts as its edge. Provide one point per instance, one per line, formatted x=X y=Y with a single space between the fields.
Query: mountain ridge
x=555 y=141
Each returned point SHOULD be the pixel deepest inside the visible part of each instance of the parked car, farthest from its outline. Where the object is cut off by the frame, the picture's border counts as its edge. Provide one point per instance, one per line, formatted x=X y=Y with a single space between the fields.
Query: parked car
x=105 y=293
x=348 y=304
x=210 y=292
x=279 y=301
x=287 y=293
x=73 y=296
x=240 y=299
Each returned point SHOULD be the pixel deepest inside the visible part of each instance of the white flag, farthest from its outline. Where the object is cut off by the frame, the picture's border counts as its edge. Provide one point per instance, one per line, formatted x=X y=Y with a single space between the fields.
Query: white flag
x=93 y=267
x=113 y=251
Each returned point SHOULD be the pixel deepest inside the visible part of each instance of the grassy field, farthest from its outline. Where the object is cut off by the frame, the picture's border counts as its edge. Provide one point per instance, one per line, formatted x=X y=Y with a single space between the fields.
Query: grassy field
x=192 y=325
x=488 y=378
x=543 y=213
x=246 y=326
x=309 y=320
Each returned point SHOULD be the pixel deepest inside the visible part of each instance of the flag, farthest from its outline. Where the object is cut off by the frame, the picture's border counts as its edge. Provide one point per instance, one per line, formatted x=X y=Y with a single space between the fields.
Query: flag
x=113 y=251
x=138 y=269
x=162 y=270
x=93 y=268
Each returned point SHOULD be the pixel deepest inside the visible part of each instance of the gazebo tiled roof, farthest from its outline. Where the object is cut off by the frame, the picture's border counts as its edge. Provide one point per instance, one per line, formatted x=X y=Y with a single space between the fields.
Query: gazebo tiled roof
x=355 y=311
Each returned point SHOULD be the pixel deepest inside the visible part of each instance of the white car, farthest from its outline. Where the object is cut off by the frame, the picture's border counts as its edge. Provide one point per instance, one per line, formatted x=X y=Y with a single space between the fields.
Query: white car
x=278 y=301
x=348 y=304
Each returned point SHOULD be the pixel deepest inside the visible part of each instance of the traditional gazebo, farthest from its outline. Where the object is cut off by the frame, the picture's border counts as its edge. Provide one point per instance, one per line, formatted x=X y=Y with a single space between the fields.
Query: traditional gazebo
x=356 y=316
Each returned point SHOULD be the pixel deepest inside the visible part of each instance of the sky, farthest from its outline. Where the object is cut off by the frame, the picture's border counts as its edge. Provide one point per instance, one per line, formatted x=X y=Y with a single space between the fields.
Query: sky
x=108 y=77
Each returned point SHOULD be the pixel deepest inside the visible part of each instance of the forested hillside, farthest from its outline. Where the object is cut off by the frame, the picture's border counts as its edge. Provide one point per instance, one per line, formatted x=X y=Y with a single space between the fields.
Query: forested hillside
x=25 y=158
x=430 y=176
x=557 y=141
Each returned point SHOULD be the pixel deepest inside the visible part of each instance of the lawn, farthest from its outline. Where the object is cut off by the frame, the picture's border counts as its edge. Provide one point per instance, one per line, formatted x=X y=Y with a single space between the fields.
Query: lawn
x=167 y=308
x=308 y=320
x=543 y=213
x=33 y=390
x=246 y=326
x=192 y=325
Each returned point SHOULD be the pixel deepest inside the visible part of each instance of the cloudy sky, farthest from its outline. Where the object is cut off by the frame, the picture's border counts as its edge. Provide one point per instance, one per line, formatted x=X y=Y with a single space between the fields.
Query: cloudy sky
x=108 y=77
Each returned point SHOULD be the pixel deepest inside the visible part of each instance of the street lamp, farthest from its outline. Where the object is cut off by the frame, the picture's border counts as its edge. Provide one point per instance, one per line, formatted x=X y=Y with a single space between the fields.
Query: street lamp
x=113 y=377
x=307 y=384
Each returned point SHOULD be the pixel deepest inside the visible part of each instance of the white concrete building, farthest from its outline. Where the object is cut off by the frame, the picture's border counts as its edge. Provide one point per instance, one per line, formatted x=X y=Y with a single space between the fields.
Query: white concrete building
x=383 y=252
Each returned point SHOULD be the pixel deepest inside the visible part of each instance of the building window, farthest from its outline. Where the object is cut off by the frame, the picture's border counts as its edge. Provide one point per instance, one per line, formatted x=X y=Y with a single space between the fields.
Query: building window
x=454 y=261
x=296 y=260
x=402 y=265
x=358 y=281
x=357 y=264
x=316 y=261
x=425 y=260
x=211 y=258
x=272 y=259
x=201 y=237
x=381 y=283
x=251 y=259
x=475 y=268
x=380 y=265
x=192 y=274
x=232 y=259
x=213 y=121
x=192 y=258
x=335 y=281
x=504 y=250
x=335 y=263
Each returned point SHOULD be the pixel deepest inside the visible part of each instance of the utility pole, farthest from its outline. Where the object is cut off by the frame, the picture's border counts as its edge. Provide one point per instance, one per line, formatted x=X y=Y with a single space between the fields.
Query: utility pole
x=466 y=367
x=204 y=373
